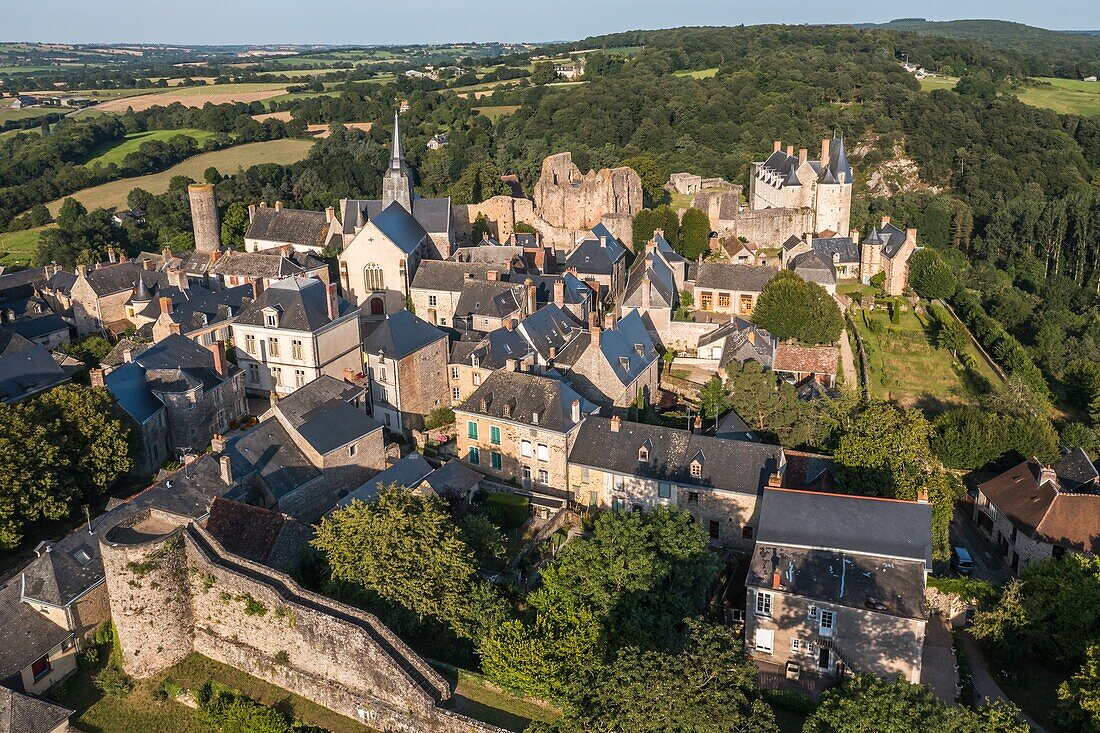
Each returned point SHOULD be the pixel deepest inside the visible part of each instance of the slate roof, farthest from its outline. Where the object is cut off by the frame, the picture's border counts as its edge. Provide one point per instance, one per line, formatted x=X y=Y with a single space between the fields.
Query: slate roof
x=26 y=370
x=25 y=636
x=596 y=256
x=488 y=298
x=726 y=465
x=447 y=275
x=627 y=349
x=733 y=427
x=889 y=236
x=662 y=283
x=33 y=328
x=400 y=334
x=856 y=524
x=302 y=303
x=269 y=453
x=400 y=227
x=115 y=278
x=21 y=713
x=741 y=341
x=195 y=306
x=805 y=359
x=493 y=350
x=847 y=251
x=454 y=475
x=71 y=566
x=326 y=423
x=1075 y=470
x=727 y=276
x=576 y=292
x=61 y=281
x=268 y=265
x=293 y=226
x=547 y=328
x=524 y=395
x=408 y=472
x=14 y=283
x=433 y=215
x=813 y=267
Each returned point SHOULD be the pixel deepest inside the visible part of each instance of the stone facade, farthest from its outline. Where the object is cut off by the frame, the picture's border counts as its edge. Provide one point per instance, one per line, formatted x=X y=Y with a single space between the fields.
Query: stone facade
x=565 y=198
x=1016 y=549
x=204 y=217
x=411 y=387
x=502 y=212
x=516 y=439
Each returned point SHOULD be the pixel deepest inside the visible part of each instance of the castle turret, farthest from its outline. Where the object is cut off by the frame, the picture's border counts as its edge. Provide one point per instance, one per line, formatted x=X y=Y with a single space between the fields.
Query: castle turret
x=396 y=186
x=204 y=217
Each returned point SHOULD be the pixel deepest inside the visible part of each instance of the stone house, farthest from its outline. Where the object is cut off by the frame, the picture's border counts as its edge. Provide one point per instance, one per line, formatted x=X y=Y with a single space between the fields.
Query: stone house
x=836 y=585
x=302 y=231
x=628 y=466
x=98 y=296
x=484 y=305
x=177 y=395
x=292 y=333
x=437 y=286
x=602 y=259
x=519 y=426
x=406 y=365
x=232 y=269
x=182 y=307
x=797 y=364
x=27 y=369
x=737 y=341
x=842 y=252
x=823 y=186
x=732 y=289
x=887 y=249
x=471 y=361
x=813 y=267
x=617 y=366
x=1033 y=511
x=654 y=284
x=311 y=448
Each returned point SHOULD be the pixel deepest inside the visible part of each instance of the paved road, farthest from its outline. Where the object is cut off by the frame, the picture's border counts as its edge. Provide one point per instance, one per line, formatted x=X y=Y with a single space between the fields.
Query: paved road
x=938 y=661
x=848 y=362
x=987 y=565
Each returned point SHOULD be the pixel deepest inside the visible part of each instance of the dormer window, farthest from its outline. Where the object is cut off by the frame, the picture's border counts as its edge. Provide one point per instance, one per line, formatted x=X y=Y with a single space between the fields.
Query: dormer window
x=535 y=417
x=271 y=317
x=643 y=454
x=696 y=469
x=624 y=362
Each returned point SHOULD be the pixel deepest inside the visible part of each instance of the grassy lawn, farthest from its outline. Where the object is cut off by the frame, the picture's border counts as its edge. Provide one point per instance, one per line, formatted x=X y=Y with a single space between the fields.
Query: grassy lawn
x=495 y=113
x=930 y=83
x=1066 y=96
x=115 y=152
x=17 y=248
x=7 y=113
x=907 y=368
x=479 y=698
x=700 y=74
x=227 y=161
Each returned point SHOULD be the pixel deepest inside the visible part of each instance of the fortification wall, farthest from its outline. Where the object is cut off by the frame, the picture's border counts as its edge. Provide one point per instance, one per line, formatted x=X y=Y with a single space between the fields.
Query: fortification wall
x=566 y=199
x=204 y=216
x=771 y=227
x=502 y=212
x=683 y=336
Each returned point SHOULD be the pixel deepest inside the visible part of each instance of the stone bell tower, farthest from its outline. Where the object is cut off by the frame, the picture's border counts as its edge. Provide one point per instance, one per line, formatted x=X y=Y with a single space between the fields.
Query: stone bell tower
x=396 y=185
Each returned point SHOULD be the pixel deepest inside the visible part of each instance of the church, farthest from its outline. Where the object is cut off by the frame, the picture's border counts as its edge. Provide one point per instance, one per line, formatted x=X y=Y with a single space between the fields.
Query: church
x=385 y=239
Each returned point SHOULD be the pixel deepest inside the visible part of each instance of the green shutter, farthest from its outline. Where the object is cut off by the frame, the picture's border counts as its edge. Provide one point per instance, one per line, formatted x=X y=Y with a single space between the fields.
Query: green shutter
x=471 y=429
x=496 y=459
x=494 y=435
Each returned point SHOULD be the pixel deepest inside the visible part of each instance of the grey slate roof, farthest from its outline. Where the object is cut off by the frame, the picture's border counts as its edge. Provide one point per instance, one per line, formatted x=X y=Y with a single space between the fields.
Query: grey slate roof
x=25 y=636
x=627 y=348
x=270 y=265
x=576 y=292
x=269 y=453
x=195 y=306
x=487 y=298
x=447 y=275
x=596 y=256
x=813 y=267
x=454 y=475
x=21 y=713
x=26 y=370
x=301 y=301
x=408 y=472
x=115 y=278
x=400 y=334
x=32 y=328
x=727 y=276
x=400 y=227
x=547 y=328
x=844 y=248
x=1075 y=470
x=524 y=395
x=726 y=465
x=881 y=527
x=323 y=416
x=294 y=226
x=21 y=281
x=61 y=281
x=492 y=351
x=889 y=236
x=662 y=283
x=70 y=567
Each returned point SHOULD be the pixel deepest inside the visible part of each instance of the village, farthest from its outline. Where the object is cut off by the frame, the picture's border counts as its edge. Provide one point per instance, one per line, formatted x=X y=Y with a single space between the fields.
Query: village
x=519 y=355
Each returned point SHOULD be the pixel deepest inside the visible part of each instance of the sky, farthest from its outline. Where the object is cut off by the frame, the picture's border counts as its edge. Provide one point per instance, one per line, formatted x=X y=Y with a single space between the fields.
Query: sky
x=369 y=22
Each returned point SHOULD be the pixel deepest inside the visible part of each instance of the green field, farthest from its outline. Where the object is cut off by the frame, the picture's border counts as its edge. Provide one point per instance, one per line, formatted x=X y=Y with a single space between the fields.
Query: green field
x=930 y=83
x=227 y=161
x=7 y=113
x=17 y=248
x=1065 y=96
x=115 y=152
x=905 y=367
x=700 y=74
x=495 y=113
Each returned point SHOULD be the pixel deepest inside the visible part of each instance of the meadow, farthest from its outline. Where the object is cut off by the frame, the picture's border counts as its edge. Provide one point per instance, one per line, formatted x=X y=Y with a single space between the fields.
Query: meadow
x=115 y=152
x=1065 y=96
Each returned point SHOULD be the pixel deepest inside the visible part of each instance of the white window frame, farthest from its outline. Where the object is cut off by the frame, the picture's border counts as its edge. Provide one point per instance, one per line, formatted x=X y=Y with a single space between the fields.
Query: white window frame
x=542 y=451
x=764 y=640
x=763 y=603
x=454 y=372
x=796 y=646
x=826 y=622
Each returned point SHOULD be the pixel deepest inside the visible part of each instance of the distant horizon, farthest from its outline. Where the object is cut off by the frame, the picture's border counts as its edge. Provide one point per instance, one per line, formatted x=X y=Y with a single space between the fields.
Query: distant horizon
x=375 y=23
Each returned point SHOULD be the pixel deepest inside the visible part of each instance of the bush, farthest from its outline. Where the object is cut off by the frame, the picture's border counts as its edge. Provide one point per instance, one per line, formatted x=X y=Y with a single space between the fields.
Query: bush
x=968 y=589
x=113 y=681
x=439 y=417
x=508 y=510
x=89 y=658
x=791 y=700
x=281 y=657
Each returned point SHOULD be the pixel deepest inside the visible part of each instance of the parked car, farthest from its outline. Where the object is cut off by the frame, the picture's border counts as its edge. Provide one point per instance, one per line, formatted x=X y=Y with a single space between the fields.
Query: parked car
x=961 y=561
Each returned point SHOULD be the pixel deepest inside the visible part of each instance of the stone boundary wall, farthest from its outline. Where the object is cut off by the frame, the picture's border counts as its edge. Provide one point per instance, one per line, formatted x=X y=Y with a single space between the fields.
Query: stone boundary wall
x=683 y=336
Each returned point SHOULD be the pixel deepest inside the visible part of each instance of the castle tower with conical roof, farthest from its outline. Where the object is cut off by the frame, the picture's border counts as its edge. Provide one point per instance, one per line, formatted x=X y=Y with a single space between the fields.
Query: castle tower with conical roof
x=396 y=185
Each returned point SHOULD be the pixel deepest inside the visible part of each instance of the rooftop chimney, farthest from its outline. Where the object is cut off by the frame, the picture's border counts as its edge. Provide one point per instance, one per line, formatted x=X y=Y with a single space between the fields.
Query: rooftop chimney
x=609 y=321
x=128 y=354
x=698 y=422
x=1047 y=475
x=509 y=324
x=646 y=303
x=257 y=288
x=885 y=220
x=492 y=276
x=278 y=206
x=221 y=366
x=575 y=410
x=175 y=328
x=149 y=264
x=166 y=254
x=333 y=301
x=790 y=151
x=553 y=352
x=165 y=304
x=532 y=293
x=616 y=423
x=251 y=212
x=330 y=214
x=594 y=327
x=217 y=443
x=111 y=256
x=825 y=152
x=81 y=270
x=559 y=293
x=511 y=365
x=603 y=241
x=922 y=496
x=96 y=377
x=910 y=236
x=776 y=578
x=226 y=470
x=777 y=146
x=803 y=155
x=775 y=480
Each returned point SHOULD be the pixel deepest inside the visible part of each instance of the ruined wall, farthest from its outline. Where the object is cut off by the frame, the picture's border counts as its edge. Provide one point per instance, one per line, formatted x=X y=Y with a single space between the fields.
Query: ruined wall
x=502 y=212
x=565 y=198
x=423 y=380
x=772 y=227
x=683 y=336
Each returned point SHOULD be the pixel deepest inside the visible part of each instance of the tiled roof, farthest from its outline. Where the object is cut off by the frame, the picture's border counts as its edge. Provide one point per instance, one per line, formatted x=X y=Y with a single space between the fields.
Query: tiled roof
x=815 y=268
x=549 y=328
x=21 y=713
x=727 y=276
x=400 y=227
x=245 y=530
x=447 y=275
x=407 y=473
x=889 y=236
x=269 y=265
x=27 y=371
x=302 y=303
x=806 y=359
x=521 y=396
x=292 y=226
x=25 y=636
x=596 y=256
x=269 y=453
x=488 y=298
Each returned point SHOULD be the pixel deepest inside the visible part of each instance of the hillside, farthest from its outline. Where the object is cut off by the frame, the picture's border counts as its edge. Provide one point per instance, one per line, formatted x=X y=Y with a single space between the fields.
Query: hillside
x=1059 y=53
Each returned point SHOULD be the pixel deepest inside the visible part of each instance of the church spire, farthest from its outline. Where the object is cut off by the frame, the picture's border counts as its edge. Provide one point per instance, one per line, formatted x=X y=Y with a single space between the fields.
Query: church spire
x=397 y=154
x=396 y=184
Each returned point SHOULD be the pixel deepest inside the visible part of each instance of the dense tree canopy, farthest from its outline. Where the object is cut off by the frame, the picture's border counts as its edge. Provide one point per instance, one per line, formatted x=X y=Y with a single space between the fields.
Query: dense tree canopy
x=792 y=308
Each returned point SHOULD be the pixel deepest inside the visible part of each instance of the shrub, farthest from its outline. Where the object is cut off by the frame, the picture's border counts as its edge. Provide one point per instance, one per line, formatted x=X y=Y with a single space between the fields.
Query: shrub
x=89 y=658
x=113 y=681
x=105 y=634
x=792 y=700
x=282 y=657
x=439 y=417
x=252 y=606
x=968 y=589
x=508 y=510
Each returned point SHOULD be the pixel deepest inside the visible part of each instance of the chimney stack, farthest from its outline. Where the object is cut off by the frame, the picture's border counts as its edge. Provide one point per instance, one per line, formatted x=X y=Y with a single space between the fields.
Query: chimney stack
x=609 y=321
x=226 y=470
x=885 y=220
x=217 y=443
x=111 y=256
x=922 y=496
x=910 y=236
x=698 y=422
x=81 y=270
x=96 y=377
x=825 y=152
x=165 y=304
x=553 y=352
x=777 y=577
x=713 y=242
x=509 y=324
x=559 y=293
x=532 y=292
x=333 y=301
x=575 y=408
x=278 y=206
x=257 y=288
x=148 y=264
x=128 y=354
x=594 y=327
x=511 y=365
x=175 y=328
x=646 y=302
x=803 y=155
x=492 y=276
x=775 y=480
x=616 y=423
x=251 y=212
x=777 y=146
x=221 y=366
x=790 y=151
x=330 y=214
x=166 y=254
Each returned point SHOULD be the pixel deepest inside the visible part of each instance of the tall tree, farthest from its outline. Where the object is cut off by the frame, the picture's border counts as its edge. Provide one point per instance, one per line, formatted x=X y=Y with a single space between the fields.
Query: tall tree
x=792 y=308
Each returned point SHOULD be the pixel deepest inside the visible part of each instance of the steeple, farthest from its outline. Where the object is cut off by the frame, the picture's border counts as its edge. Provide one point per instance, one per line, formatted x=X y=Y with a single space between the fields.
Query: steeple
x=142 y=295
x=396 y=185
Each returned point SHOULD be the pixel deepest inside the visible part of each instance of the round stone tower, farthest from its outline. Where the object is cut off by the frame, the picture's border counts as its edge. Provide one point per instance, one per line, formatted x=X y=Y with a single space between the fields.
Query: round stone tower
x=145 y=563
x=204 y=217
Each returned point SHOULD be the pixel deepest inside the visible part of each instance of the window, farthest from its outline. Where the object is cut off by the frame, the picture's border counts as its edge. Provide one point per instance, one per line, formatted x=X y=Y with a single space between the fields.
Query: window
x=763 y=603
x=432 y=301
x=454 y=372
x=812 y=612
x=277 y=376
x=827 y=619
x=494 y=460
x=383 y=393
x=526 y=473
x=643 y=454
x=618 y=482
x=296 y=349
x=250 y=344
x=525 y=448
x=456 y=394
x=715 y=529
x=494 y=435
x=543 y=452
x=373 y=277
x=471 y=430
x=254 y=373
x=544 y=477
x=299 y=378
x=272 y=320
x=696 y=469
x=723 y=300
x=41 y=668
x=353 y=449
x=477 y=379
x=796 y=646
x=584 y=473
x=664 y=490
x=593 y=498
x=273 y=347
x=746 y=532
x=382 y=374
x=693 y=497
x=475 y=456
x=764 y=640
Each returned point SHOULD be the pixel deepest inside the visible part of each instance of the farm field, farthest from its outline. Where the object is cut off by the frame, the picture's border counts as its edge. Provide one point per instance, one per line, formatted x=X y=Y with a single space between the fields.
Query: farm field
x=7 y=113
x=17 y=248
x=700 y=74
x=114 y=194
x=905 y=367
x=196 y=96
x=1065 y=96
x=930 y=83
x=115 y=152
x=495 y=113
